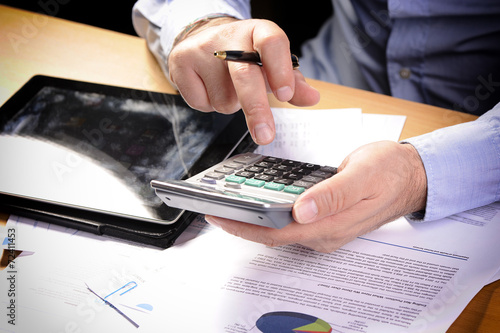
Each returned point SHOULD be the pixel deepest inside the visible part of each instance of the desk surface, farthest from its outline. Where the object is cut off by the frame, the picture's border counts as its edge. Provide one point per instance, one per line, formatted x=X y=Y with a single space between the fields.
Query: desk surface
x=33 y=44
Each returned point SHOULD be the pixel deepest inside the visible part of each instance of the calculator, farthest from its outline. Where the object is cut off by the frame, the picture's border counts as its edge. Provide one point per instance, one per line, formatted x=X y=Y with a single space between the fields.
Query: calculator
x=247 y=187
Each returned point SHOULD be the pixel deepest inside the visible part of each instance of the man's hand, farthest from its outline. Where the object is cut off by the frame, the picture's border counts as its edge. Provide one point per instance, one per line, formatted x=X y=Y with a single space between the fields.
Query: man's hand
x=211 y=84
x=375 y=184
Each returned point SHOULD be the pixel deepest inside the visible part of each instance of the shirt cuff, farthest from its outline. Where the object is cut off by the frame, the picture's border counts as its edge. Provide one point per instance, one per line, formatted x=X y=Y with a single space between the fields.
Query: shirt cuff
x=462 y=165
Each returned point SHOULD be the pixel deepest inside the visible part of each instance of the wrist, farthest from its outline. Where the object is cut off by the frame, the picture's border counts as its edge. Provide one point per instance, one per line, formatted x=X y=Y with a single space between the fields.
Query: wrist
x=191 y=29
x=417 y=180
x=201 y=24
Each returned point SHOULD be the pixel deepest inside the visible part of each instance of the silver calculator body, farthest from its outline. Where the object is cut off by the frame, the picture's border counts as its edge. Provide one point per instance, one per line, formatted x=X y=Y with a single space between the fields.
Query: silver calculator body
x=248 y=187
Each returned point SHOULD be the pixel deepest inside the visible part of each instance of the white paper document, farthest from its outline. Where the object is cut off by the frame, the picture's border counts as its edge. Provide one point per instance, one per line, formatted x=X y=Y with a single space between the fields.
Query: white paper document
x=316 y=136
x=47 y=288
x=404 y=277
x=327 y=136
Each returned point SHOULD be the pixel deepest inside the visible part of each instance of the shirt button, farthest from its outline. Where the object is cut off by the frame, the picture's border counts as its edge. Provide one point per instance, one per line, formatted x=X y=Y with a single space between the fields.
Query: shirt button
x=404 y=73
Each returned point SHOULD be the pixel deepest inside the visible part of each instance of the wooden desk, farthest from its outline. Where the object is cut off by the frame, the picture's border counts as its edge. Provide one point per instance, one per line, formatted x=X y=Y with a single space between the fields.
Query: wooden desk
x=33 y=44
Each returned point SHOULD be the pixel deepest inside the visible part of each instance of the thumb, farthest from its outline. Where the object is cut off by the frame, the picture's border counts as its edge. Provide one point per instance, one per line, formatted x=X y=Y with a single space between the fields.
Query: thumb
x=329 y=197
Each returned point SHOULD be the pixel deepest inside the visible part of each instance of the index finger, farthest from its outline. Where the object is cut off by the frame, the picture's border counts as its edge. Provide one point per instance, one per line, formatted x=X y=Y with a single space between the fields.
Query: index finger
x=274 y=50
x=250 y=87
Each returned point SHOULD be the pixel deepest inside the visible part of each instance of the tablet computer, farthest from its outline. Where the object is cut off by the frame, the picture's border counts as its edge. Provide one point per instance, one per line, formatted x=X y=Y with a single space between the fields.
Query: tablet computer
x=91 y=150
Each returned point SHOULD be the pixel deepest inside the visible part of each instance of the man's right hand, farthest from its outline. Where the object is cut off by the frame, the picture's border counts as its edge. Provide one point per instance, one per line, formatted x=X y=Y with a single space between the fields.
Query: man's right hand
x=210 y=84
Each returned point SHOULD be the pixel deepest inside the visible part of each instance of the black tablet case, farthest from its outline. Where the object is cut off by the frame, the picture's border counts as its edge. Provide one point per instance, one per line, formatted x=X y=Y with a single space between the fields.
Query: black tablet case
x=159 y=235
x=155 y=234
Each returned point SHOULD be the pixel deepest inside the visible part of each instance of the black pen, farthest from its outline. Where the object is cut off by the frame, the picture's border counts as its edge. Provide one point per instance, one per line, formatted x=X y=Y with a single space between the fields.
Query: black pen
x=248 y=56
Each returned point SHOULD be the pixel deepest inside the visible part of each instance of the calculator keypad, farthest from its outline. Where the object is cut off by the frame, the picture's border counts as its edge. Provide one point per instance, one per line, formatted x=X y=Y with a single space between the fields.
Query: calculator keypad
x=267 y=172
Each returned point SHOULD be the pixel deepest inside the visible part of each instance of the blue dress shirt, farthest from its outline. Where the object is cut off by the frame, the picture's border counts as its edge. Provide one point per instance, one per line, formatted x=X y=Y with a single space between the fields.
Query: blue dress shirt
x=439 y=52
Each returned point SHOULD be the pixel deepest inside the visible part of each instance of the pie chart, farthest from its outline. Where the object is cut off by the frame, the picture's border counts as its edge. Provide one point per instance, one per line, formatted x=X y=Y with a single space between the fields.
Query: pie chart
x=291 y=322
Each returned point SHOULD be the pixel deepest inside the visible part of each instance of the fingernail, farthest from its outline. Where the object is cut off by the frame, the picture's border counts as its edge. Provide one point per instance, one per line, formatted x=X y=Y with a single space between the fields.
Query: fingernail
x=284 y=94
x=263 y=134
x=306 y=211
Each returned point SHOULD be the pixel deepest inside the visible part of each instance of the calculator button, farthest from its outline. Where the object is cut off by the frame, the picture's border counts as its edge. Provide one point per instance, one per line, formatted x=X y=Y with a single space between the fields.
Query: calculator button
x=247 y=158
x=329 y=169
x=234 y=166
x=291 y=163
x=293 y=176
x=321 y=174
x=302 y=183
x=273 y=160
x=282 y=167
x=294 y=189
x=245 y=174
x=274 y=186
x=234 y=186
x=265 y=178
x=265 y=165
x=312 y=167
x=226 y=171
x=274 y=173
x=284 y=181
x=312 y=179
x=214 y=175
x=303 y=171
x=235 y=179
x=254 y=169
x=210 y=181
x=255 y=182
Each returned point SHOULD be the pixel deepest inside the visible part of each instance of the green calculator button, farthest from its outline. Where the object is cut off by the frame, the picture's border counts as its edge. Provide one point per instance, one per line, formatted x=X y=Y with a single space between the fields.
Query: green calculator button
x=235 y=179
x=255 y=182
x=274 y=186
x=294 y=189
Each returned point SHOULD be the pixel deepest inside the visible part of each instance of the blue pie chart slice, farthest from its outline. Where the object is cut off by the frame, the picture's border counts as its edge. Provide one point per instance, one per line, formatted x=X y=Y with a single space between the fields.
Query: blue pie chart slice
x=291 y=322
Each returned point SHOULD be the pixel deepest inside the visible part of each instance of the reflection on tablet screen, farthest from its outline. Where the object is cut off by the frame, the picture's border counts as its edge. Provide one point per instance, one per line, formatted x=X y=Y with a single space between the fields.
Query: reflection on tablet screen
x=90 y=149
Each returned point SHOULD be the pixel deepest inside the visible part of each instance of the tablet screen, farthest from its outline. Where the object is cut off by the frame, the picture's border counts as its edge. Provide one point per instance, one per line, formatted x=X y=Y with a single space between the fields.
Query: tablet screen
x=100 y=151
